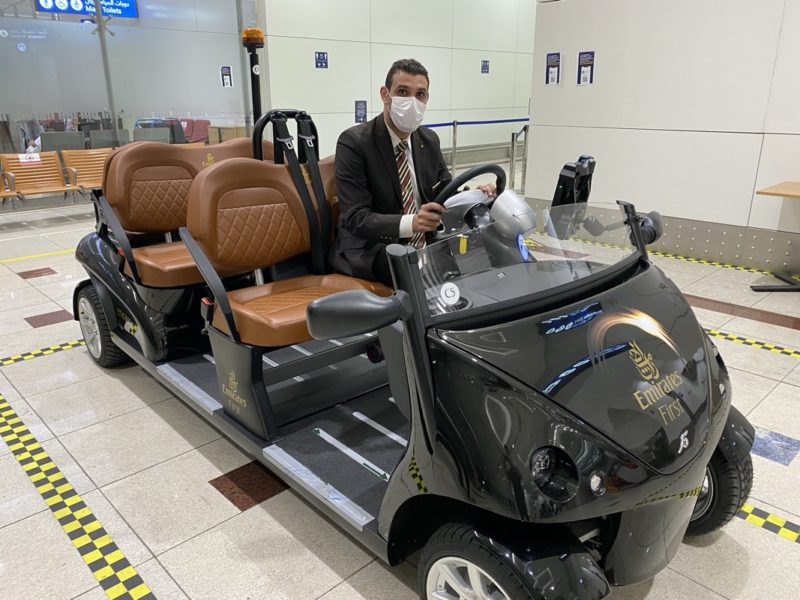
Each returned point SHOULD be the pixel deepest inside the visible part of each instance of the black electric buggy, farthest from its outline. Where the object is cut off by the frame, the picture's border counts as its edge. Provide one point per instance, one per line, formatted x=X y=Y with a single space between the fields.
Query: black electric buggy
x=534 y=405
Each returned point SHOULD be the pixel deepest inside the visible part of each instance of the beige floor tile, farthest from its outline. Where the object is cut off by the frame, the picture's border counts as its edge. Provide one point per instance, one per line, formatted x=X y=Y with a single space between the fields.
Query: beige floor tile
x=122 y=534
x=266 y=552
x=52 y=372
x=50 y=259
x=11 y=281
x=710 y=319
x=776 y=485
x=194 y=505
x=755 y=360
x=38 y=562
x=88 y=402
x=124 y=445
x=736 y=277
x=13 y=321
x=61 y=290
x=778 y=411
x=20 y=298
x=794 y=376
x=765 y=332
x=780 y=302
x=671 y=264
x=67 y=269
x=667 y=585
x=18 y=496
x=69 y=238
x=35 y=339
x=25 y=247
x=159 y=581
x=724 y=291
x=742 y=562
x=684 y=278
x=378 y=580
x=749 y=389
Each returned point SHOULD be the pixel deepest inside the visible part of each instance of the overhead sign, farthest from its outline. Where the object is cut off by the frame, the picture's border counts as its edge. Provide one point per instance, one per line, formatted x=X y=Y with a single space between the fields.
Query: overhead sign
x=124 y=9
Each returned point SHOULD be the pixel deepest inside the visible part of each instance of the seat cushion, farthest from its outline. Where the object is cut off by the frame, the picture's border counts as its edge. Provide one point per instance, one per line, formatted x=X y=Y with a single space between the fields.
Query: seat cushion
x=166 y=265
x=274 y=314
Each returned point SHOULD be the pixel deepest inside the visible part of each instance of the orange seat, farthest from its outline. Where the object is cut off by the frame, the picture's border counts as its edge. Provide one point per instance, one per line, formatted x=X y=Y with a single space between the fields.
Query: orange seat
x=247 y=215
x=85 y=167
x=34 y=174
x=147 y=184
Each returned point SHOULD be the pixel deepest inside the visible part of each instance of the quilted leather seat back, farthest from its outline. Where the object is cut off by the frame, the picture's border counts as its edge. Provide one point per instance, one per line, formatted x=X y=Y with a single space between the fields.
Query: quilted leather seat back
x=147 y=183
x=247 y=215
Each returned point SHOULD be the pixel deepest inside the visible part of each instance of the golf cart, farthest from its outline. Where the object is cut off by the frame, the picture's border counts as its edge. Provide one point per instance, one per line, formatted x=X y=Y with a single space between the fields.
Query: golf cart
x=534 y=404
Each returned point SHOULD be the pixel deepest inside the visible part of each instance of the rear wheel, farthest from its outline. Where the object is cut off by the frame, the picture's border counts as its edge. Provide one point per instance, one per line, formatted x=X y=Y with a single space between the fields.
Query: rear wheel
x=95 y=330
x=725 y=489
x=455 y=566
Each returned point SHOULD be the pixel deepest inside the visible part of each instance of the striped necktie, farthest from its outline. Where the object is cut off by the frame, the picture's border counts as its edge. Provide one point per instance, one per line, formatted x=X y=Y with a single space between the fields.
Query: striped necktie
x=407 y=189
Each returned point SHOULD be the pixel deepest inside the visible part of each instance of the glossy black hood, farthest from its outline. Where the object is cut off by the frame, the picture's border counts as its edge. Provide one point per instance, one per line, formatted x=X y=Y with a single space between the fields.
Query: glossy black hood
x=630 y=362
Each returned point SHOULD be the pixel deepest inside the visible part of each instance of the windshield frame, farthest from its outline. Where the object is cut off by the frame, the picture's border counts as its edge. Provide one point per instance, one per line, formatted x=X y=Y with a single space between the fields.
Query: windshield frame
x=411 y=281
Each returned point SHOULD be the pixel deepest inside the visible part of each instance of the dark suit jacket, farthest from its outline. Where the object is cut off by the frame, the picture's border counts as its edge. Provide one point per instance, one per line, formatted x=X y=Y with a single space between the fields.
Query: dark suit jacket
x=368 y=187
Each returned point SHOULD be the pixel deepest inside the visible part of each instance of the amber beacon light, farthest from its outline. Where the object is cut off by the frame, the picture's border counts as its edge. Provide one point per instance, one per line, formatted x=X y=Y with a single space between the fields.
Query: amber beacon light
x=252 y=40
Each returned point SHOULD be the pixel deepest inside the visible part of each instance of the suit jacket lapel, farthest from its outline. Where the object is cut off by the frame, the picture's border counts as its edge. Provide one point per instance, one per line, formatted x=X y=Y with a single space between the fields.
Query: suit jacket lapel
x=383 y=143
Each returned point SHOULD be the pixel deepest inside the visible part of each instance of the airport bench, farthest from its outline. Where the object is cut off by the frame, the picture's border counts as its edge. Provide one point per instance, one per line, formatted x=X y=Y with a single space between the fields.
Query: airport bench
x=34 y=174
x=85 y=167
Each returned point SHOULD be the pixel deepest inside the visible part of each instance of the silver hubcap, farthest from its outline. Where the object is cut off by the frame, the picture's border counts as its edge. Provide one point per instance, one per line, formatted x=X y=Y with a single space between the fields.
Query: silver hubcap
x=705 y=497
x=453 y=578
x=89 y=327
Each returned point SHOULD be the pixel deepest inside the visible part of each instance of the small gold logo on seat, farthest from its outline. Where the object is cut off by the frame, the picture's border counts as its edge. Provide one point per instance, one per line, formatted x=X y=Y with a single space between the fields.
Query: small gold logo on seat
x=209 y=160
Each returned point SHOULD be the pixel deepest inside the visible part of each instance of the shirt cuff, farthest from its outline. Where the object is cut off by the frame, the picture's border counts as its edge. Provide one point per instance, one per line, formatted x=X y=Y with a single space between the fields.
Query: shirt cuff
x=406 y=226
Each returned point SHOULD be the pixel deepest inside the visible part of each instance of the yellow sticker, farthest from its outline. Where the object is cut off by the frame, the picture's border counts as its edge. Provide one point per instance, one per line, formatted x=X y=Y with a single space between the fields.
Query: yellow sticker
x=462 y=244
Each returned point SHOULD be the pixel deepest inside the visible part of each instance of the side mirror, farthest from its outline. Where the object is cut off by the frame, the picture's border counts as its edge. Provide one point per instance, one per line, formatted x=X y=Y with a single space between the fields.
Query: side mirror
x=352 y=313
x=652 y=225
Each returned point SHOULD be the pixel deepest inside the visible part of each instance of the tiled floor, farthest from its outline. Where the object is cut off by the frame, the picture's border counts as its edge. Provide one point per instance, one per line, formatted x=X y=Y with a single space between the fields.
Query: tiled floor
x=143 y=462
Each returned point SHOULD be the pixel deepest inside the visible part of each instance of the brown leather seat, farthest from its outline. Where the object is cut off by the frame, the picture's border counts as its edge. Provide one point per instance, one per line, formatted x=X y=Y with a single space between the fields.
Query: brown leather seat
x=247 y=215
x=147 y=184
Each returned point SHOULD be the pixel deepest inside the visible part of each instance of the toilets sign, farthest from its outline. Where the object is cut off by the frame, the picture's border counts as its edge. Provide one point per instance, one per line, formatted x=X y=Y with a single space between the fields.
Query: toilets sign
x=125 y=9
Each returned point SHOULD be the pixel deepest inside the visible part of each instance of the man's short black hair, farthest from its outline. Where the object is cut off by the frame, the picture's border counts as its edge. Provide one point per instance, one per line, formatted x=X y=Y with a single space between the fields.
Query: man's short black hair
x=407 y=65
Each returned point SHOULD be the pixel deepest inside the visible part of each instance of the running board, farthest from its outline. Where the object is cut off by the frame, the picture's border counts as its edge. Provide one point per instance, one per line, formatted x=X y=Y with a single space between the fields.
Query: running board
x=290 y=468
x=205 y=402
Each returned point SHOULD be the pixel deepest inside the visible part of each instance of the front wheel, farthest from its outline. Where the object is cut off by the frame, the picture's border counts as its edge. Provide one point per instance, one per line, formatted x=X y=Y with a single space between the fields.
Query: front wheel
x=455 y=566
x=95 y=330
x=725 y=489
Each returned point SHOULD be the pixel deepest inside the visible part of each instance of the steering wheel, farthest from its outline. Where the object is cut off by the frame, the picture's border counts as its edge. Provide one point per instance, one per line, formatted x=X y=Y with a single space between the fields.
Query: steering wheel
x=469 y=174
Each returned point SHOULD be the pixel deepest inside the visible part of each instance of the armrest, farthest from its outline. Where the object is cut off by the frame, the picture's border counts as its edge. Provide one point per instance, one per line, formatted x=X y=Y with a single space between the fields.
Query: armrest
x=10 y=180
x=108 y=216
x=212 y=279
x=72 y=172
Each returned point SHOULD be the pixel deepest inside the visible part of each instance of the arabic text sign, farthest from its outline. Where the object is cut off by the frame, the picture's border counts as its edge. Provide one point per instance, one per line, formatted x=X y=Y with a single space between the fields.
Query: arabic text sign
x=125 y=9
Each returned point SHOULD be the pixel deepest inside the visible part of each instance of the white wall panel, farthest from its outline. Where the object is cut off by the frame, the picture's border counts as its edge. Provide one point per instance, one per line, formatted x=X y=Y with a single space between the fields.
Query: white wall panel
x=486 y=25
x=175 y=14
x=437 y=61
x=475 y=90
x=525 y=25
x=216 y=15
x=294 y=79
x=523 y=79
x=474 y=135
x=413 y=22
x=704 y=176
x=780 y=161
x=783 y=115
x=334 y=20
x=445 y=133
x=665 y=65
x=329 y=127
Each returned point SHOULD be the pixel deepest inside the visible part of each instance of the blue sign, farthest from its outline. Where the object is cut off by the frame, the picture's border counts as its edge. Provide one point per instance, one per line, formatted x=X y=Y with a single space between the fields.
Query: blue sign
x=124 y=9
x=484 y=66
x=22 y=47
x=321 y=60
x=361 y=111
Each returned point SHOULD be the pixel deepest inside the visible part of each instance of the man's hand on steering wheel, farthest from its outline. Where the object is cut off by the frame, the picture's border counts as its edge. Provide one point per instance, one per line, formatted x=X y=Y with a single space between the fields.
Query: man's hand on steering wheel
x=490 y=189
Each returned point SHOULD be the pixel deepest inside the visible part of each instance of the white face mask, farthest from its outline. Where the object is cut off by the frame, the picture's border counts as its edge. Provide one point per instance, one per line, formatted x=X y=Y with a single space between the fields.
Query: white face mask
x=406 y=113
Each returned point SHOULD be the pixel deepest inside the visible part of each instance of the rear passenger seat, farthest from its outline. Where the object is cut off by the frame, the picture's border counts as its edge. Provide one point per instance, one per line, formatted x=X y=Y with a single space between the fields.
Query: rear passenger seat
x=147 y=184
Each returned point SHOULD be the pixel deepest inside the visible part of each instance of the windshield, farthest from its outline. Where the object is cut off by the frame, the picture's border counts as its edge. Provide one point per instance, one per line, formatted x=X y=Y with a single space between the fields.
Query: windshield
x=522 y=255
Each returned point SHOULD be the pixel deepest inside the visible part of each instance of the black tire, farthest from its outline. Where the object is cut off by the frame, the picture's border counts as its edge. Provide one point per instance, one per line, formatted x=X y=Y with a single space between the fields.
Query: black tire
x=455 y=540
x=730 y=485
x=107 y=354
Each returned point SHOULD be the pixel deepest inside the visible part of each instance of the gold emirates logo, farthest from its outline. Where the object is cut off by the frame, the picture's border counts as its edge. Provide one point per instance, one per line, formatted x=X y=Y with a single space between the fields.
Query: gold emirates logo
x=231 y=390
x=208 y=161
x=658 y=389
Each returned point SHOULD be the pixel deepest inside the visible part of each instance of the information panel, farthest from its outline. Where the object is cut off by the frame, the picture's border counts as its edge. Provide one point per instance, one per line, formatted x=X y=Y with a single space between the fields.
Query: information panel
x=124 y=9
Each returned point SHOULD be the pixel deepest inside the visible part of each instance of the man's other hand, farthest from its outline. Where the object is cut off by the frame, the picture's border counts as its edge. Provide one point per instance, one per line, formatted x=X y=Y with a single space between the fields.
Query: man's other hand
x=428 y=217
x=489 y=189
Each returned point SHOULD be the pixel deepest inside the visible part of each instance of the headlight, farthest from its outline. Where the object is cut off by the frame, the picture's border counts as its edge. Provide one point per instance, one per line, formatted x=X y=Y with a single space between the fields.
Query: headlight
x=554 y=473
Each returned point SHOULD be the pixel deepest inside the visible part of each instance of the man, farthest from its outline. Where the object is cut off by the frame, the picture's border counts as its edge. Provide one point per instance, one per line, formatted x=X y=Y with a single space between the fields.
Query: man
x=388 y=172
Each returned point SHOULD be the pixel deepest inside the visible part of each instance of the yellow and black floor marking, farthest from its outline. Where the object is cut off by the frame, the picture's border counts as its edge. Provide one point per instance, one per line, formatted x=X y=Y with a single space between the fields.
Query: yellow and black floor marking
x=754 y=343
x=413 y=469
x=10 y=360
x=108 y=564
x=760 y=518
